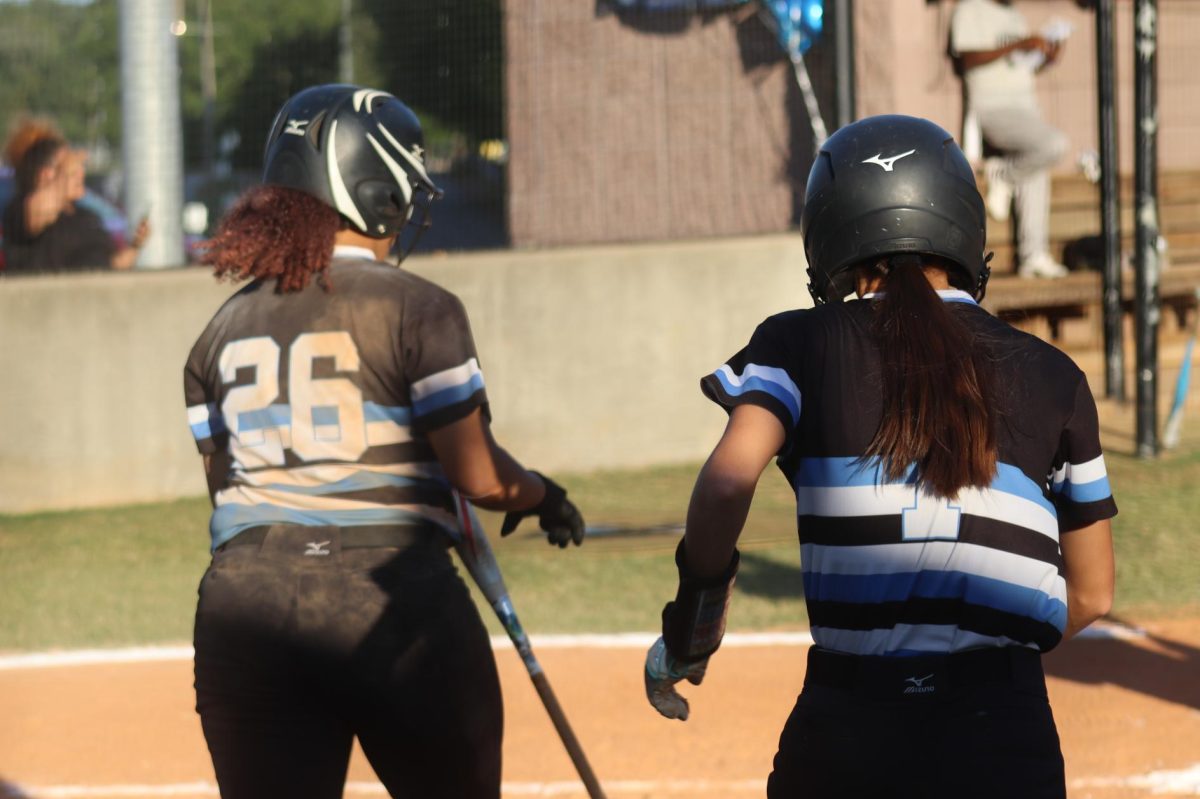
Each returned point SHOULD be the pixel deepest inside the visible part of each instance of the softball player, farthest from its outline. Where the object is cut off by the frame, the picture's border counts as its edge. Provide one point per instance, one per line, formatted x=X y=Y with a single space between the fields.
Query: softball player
x=337 y=400
x=951 y=494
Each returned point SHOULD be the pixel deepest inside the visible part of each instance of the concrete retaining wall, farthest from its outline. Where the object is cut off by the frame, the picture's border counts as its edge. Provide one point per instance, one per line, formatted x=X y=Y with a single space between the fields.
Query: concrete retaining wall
x=592 y=359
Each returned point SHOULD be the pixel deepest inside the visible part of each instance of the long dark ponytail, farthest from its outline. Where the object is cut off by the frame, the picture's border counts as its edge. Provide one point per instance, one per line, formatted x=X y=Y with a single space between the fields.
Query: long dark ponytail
x=938 y=409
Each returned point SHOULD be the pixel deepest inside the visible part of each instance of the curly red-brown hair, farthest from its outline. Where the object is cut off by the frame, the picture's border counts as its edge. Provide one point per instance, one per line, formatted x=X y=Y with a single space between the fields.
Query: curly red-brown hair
x=275 y=232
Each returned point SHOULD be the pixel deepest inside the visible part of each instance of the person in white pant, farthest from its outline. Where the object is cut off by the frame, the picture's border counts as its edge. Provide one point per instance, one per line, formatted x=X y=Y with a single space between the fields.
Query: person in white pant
x=999 y=58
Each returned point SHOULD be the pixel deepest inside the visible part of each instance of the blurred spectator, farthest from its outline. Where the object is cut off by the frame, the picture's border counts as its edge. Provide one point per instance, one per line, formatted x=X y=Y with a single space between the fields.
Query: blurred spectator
x=45 y=229
x=999 y=58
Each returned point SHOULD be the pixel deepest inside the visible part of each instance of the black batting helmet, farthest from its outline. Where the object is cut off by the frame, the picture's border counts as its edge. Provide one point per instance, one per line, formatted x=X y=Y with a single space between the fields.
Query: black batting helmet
x=359 y=151
x=886 y=185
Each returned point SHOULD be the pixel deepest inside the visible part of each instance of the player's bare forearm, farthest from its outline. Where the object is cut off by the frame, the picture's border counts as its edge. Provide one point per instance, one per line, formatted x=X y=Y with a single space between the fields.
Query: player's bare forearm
x=725 y=488
x=480 y=469
x=1090 y=574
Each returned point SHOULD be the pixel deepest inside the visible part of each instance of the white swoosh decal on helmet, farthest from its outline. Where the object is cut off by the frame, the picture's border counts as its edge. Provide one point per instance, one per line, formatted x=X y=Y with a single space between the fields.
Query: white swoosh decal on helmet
x=412 y=159
x=397 y=171
x=363 y=98
x=341 y=196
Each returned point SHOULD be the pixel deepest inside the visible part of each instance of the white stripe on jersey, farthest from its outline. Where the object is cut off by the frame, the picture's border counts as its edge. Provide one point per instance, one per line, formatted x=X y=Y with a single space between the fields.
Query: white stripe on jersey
x=905 y=637
x=771 y=374
x=199 y=414
x=447 y=378
x=1079 y=473
x=893 y=500
x=379 y=433
x=327 y=473
x=250 y=496
x=942 y=556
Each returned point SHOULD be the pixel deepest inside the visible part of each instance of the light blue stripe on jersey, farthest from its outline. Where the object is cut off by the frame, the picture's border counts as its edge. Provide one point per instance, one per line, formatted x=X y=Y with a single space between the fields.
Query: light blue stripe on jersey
x=956 y=295
x=1092 y=491
x=229 y=520
x=448 y=396
x=272 y=416
x=374 y=412
x=767 y=379
x=984 y=591
x=212 y=424
x=361 y=481
x=850 y=472
x=324 y=415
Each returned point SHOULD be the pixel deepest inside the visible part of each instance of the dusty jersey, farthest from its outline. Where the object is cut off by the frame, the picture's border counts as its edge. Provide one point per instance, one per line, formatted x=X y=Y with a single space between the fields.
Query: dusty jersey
x=322 y=400
x=887 y=569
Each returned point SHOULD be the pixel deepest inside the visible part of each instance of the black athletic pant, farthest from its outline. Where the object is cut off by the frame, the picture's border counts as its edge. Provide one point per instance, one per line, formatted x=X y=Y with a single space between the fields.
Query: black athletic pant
x=298 y=652
x=973 y=725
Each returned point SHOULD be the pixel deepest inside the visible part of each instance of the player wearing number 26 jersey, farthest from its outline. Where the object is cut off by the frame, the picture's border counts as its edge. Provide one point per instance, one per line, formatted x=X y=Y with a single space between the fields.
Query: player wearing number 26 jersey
x=340 y=408
x=322 y=399
x=952 y=502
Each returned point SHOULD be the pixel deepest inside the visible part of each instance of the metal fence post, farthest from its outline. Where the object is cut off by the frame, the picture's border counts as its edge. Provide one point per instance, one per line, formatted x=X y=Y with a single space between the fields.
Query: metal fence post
x=1147 y=222
x=151 y=138
x=843 y=32
x=1110 y=203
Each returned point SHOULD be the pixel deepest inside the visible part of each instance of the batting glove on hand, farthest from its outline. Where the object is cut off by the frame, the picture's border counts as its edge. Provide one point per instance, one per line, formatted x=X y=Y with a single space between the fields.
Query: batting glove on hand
x=662 y=672
x=556 y=514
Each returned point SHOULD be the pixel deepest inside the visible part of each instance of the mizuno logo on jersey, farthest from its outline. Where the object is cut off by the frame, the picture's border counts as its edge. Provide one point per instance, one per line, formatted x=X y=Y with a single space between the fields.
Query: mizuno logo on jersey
x=918 y=685
x=317 y=548
x=888 y=164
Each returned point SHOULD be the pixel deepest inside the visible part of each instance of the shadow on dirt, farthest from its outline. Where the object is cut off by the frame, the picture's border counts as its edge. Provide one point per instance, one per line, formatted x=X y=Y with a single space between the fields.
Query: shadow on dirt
x=1155 y=666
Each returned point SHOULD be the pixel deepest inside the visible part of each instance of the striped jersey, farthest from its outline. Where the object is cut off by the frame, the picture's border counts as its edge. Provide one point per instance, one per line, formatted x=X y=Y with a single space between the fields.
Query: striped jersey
x=322 y=400
x=887 y=569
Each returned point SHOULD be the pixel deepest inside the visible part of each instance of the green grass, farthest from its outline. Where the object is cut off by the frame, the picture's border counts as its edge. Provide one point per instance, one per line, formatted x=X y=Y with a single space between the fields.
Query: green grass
x=123 y=576
x=1156 y=533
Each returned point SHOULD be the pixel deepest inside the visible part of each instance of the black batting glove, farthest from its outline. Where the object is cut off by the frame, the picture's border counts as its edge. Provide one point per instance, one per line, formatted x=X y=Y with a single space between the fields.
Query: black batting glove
x=556 y=514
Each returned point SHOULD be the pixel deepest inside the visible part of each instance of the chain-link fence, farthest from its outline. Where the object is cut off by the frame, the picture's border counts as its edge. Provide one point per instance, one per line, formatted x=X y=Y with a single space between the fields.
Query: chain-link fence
x=238 y=61
x=547 y=121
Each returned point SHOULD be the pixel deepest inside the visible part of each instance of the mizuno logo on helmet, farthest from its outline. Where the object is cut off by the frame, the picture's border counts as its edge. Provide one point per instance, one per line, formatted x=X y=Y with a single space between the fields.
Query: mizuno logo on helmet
x=297 y=127
x=888 y=164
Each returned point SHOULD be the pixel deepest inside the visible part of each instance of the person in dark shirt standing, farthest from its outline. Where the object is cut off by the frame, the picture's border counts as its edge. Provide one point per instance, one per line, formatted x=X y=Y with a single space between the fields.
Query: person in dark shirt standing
x=45 y=227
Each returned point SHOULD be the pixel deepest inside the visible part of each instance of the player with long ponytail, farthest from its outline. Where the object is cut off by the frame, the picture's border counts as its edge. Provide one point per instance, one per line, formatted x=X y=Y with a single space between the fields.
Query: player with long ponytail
x=952 y=502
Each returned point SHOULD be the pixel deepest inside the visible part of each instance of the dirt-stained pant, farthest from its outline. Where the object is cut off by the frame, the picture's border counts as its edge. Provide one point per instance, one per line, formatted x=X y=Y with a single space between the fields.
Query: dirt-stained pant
x=1031 y=147
x=301 y=646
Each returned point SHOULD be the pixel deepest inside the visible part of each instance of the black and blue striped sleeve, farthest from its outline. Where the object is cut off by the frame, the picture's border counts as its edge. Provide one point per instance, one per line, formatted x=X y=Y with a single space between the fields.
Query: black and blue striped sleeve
x=203 y=413
x=441 y=365
x=761 y=373
x=1079 y=485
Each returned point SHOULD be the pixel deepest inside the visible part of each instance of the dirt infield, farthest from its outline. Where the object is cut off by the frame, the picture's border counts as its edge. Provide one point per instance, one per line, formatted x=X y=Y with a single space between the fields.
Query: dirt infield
x=1128 y=713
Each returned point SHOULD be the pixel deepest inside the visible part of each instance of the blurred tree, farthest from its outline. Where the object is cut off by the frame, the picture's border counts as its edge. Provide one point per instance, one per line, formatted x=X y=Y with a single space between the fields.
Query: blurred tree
x=61 y=61
x=263 y=51
x=442 y=57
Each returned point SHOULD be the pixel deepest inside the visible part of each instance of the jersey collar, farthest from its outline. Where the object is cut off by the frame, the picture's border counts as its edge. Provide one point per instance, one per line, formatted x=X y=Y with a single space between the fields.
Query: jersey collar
x=350 y=251
x=947 y=295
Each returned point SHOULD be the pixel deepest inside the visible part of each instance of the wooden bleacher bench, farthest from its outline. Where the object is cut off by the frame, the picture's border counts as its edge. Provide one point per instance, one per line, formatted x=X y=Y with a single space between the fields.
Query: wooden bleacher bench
x=1037 y=304
x=1041 y=306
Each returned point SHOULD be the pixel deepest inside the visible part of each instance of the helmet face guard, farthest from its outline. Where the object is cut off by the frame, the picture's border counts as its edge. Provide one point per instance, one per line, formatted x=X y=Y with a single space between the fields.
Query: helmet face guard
x=888 y=185
x=359 y=151
x=420 y=219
